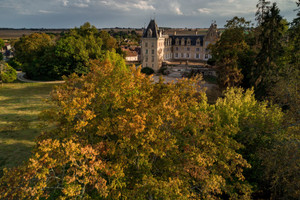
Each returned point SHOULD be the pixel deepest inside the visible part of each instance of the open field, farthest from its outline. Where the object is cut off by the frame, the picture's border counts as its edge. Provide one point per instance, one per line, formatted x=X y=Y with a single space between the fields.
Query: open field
x=20 y=105
x=16 y=33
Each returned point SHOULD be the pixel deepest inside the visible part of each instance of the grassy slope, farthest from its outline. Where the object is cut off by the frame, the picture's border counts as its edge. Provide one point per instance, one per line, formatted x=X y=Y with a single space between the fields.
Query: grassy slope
x=20 y=105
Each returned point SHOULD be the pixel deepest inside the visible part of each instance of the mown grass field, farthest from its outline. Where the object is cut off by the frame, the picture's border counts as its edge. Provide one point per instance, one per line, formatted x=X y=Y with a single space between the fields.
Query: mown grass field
x=20 y=105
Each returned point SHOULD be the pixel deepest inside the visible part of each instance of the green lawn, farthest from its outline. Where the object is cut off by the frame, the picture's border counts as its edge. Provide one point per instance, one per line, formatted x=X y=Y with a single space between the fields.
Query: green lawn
x=20 y=105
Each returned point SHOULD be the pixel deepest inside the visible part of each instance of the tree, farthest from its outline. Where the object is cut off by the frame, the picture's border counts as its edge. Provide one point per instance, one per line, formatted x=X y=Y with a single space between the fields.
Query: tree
x=228 y=50
x=262 y=9
x=7 y=73
x=1 y=46
x=271 y=35
x=114 y=134
x=30 y=51
x=109 y=42
x=47 y=58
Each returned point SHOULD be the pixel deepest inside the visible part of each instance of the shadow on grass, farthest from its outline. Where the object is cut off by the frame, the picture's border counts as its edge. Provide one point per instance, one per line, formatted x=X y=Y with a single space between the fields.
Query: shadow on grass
x=17 y=118
x=18 y=90
x=15 y=155
x=11 y=133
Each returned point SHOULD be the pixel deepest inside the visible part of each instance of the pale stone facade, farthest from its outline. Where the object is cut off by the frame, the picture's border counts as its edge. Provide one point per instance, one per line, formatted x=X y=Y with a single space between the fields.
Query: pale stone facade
x=158 y=48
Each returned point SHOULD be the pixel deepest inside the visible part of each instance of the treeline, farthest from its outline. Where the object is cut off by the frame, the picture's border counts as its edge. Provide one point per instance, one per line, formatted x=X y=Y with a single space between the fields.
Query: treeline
x=49 y=57
x=265 y=57
x=123 y=36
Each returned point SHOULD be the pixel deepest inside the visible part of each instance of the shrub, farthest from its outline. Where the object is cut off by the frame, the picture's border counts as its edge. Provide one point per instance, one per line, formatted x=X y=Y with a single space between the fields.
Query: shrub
x=13 y=62
x=163 y=70
x=211 y=61
x=147 y=70
x=7 y=73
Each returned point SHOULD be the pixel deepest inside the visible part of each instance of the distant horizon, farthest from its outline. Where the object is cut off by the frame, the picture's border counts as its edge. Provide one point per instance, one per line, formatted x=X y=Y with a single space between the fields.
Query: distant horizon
x=66 y=14
x=30 y=28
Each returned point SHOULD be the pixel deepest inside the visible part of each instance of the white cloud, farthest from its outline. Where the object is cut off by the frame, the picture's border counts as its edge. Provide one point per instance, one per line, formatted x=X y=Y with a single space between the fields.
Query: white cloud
x=65 y=2
x=143 y=5
x=76 y=3
x=205 y=10
x=45 y=11
x=81 y=5
x=128 y=5
x=175 y=7
x=178 y=11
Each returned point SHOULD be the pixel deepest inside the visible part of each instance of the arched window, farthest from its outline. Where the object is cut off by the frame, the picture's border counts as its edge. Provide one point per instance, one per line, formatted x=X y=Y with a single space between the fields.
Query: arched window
x=149 y=33
x=188 y=41
x=182 y=41
x=177 y=41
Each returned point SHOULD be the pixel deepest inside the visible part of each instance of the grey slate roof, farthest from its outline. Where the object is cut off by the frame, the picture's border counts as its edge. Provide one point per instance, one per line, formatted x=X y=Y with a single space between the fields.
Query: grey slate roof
x=153 y=27
x=193 y=39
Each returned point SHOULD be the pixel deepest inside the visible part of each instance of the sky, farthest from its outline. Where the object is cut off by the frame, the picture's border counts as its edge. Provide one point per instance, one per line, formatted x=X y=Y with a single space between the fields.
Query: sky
x=129 y=13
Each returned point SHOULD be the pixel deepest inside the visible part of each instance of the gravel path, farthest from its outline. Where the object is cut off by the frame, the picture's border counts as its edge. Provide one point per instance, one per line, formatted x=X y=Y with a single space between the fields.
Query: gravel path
x=21 y=75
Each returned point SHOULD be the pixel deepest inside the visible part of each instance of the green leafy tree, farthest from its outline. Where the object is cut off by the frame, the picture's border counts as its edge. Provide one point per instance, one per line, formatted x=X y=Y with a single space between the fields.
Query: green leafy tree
x=270 y=40
x=29 y=51
x=262 y=10
x=7 y=73
x=228 y=52
x=47 y=58
x=109 y=43
x=1 y=46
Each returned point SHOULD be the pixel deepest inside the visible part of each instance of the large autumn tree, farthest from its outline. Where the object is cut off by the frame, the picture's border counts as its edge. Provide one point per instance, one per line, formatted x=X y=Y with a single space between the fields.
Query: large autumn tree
x=114 y=134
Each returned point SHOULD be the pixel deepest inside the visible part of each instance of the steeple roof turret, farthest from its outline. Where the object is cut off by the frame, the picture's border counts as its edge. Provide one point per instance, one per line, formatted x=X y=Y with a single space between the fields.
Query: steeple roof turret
x=152 y=30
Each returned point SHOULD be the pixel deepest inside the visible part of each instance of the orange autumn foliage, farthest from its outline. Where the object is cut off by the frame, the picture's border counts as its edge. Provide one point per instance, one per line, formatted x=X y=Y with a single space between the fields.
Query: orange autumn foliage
x=115 y=134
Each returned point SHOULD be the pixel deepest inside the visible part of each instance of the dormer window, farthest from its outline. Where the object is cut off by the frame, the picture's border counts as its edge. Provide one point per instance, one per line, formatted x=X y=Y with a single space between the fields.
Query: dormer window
x=188 y=41
x=198 y=42
x=149 y=33
x=182 y=41
x=177 y=41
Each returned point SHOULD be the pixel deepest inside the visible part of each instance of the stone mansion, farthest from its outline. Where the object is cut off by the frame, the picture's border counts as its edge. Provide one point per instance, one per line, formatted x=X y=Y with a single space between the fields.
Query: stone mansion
x=158 y=47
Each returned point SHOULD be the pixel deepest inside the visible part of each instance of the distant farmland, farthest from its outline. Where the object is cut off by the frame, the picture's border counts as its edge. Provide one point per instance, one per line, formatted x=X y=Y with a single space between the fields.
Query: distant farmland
x=6 y=33
x=16 y=33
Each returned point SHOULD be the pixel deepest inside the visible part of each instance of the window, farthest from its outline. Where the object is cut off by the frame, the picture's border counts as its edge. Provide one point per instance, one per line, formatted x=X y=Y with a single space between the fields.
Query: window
x=206 y=56
x=177 y=41
x=187 y=55
x=146 y=59
x=146 y=44
x=197 y=55
x=152 y=65
x=197 y=49
x=189 y=42
x=182 y=55
x=198 y=42
x=152 y=51
x=152 y=58
x=188 y=48
x=176 y=48
x=176 y=55
x=152 y=44
x=146 y=51
x=182 y=41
